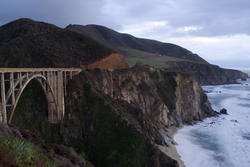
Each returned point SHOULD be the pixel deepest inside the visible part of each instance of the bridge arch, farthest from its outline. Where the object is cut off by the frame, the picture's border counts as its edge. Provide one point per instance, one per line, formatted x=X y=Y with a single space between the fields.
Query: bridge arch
x=52 y=80
x=48 y=91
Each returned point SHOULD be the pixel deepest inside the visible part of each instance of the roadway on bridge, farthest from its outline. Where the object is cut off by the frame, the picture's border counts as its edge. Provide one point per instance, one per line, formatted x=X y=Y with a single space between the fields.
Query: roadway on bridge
x=38 y=69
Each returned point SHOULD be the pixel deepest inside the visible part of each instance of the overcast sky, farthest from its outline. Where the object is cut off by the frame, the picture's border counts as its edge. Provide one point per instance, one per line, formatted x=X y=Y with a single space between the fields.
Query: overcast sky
x=217 y=30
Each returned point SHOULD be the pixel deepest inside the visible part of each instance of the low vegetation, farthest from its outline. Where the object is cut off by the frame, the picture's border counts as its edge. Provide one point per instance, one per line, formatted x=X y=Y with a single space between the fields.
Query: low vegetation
x=155 y=60
x=16 y=152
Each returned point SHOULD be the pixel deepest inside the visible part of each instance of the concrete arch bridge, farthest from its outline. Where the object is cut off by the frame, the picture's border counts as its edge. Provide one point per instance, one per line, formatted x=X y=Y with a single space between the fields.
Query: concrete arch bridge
x=52 y=80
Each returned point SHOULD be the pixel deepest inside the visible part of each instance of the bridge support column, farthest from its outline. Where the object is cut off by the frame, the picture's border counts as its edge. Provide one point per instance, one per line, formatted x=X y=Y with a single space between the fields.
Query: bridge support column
x=52 y=106
x=65 y=83
x=52 y=110
x=12 y=87
x=3 y=104
x=60 y=95
x=20 y=80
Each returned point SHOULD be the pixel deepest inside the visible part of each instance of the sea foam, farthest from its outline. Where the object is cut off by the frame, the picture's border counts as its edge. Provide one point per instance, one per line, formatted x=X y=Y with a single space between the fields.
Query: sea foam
x=220 y=141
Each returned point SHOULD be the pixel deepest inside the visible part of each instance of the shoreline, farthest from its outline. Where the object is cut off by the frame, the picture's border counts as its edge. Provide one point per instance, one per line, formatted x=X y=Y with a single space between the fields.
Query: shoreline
x=171 y=150
x=233 y=126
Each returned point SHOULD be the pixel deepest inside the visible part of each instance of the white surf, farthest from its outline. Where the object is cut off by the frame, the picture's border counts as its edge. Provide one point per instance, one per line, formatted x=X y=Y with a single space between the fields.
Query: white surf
x=224 y=140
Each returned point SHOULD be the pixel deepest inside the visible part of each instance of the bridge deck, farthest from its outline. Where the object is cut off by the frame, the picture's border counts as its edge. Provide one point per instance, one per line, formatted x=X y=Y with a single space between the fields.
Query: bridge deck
x=3 y=70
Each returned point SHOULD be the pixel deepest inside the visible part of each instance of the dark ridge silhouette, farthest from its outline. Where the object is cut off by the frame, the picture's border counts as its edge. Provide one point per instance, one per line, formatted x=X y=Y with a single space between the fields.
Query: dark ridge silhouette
x=27 y=43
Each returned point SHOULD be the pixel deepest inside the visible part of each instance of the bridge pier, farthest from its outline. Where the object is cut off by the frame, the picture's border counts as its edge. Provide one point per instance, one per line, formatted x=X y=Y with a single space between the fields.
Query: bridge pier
x=60 y=94
x=52 y=80
x=3 y=104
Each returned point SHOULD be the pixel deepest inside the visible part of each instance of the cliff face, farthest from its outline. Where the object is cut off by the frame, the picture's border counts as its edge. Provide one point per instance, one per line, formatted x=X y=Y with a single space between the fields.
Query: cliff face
x=207 y=74
x=154 y=102
x=162 y=99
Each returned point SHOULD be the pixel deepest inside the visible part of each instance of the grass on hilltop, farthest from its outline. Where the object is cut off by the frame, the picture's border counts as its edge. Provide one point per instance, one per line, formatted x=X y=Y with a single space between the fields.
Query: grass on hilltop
x=155 y=60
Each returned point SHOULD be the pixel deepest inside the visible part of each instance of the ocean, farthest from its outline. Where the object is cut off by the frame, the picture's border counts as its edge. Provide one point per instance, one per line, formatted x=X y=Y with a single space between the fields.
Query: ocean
x=222 y=141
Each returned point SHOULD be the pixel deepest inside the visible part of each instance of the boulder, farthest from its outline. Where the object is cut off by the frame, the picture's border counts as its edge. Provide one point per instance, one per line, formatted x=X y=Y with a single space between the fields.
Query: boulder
x=223 y=111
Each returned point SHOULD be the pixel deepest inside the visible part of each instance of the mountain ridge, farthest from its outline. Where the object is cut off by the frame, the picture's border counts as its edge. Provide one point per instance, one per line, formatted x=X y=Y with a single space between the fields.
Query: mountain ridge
x=118 y=40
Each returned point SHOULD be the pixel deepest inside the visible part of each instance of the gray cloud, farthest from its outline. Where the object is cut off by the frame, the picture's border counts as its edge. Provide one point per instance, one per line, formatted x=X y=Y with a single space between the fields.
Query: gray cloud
x=194 y=24
x=59 y=12
x=216 y=17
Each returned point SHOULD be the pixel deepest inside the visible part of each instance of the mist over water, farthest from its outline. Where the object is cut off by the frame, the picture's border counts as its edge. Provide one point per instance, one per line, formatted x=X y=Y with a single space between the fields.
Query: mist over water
x=222 y=141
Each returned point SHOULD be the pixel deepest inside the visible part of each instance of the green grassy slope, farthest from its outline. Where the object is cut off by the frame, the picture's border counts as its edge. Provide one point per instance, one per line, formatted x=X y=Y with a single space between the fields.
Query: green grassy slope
x=155 y=60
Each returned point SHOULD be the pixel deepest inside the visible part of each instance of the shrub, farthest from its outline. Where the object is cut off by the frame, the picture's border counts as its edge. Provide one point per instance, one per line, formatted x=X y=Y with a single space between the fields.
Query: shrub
x=22 y=153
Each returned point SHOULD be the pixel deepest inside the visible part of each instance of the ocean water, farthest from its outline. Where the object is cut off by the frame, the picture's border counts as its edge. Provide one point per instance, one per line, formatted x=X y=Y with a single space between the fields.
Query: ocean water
x=222 y=141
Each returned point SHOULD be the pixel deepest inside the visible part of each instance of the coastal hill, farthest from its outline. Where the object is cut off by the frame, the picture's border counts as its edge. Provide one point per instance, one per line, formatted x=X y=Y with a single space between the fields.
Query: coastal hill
x=27 y=43
x=166 y=56
x=137 y=49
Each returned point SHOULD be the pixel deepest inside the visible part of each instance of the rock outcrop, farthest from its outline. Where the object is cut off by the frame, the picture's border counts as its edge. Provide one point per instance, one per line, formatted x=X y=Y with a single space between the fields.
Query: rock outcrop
x=159 y=159
x=207 y=74
x=223 y=111
x=166 y=98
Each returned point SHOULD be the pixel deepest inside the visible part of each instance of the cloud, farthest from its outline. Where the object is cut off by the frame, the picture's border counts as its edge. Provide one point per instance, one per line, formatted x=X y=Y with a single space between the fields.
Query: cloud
x=215 y=17
x=216 y=30
x=59 y=12
x=187 y=29
x=233 y=50
x=146 y=29
x=143 y=28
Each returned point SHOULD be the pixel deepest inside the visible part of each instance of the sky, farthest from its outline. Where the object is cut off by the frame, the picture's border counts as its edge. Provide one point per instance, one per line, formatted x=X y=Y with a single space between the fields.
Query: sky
x=217 y=30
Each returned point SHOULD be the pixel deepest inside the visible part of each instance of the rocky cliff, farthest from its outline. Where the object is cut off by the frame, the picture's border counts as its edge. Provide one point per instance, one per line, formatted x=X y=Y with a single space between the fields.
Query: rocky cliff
x=163 y=99
x=207 y=74
x=151 y=100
